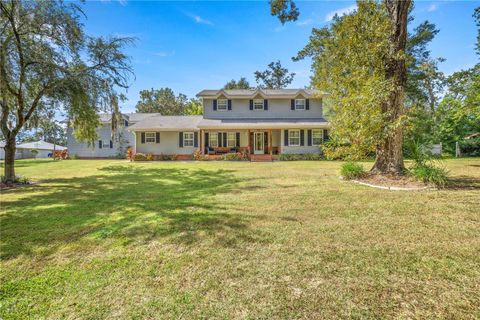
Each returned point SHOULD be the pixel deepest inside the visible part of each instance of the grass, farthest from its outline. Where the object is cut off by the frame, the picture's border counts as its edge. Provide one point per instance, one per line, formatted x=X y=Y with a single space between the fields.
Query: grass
x=109 y=239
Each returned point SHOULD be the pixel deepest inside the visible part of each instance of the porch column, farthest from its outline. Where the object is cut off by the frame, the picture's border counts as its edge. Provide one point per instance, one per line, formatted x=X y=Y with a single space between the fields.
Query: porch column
x=202 y=142
x=135 y=142
x=249 y=142
x=270 y=145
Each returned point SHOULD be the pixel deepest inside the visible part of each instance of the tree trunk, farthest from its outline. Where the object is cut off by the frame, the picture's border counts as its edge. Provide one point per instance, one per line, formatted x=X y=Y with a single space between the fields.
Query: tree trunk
x=389 y=152
x=9 y=171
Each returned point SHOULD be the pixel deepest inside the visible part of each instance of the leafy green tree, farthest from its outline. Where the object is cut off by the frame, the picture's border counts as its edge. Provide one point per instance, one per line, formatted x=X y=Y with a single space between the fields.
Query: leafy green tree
x=384 y=75
x=47 y=60
x=163 y=101
x=274 y=77
x=241 y=84
x=194 y=107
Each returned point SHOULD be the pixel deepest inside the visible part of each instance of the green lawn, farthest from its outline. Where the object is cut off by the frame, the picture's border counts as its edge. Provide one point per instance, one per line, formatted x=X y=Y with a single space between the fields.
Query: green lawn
x=110 y=239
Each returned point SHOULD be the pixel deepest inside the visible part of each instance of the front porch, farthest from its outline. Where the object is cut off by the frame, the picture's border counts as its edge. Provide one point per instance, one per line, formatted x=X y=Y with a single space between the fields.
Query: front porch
x=253 y=142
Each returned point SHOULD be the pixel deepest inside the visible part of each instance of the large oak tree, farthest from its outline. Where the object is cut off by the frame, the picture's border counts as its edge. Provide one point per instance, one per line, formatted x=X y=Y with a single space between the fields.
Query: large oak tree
x=46 y=59
x=392 y=69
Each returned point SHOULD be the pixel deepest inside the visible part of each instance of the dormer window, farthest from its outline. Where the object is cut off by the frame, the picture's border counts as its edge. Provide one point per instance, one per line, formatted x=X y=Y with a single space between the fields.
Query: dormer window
x=258 y=104
x=299 y=104
x=222 y=104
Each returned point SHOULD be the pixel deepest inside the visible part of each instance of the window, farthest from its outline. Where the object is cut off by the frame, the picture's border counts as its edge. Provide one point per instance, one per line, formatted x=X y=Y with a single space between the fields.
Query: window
x=317 y=137
x=150 y=137
x=222 y=104
x=106 y=144
x=258 y=104
x=299 y=104
x=188 y=139
x=294 y=138
x=126 y=123
x=213 y=139
x=232 y=140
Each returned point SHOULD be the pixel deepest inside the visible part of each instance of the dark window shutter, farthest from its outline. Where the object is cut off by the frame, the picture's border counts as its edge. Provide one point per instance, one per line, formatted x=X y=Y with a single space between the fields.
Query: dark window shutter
x=99 y=144
x=265 y=104
x=309 y=137
x=229 y=104
x=219 y=143
x=307 y=104
x=265 y=140
x=251 y=104
x=292 y=104
x=143 y=137
x=325 y=135
x=206 y=139
x=126 y=123
x=195 y=139
x=302 y=138
x=180 y=139
x=214 y=105
x=157 y=137
x=225 y=139
x=285 y=138
x=237 y=139
x=111 y=144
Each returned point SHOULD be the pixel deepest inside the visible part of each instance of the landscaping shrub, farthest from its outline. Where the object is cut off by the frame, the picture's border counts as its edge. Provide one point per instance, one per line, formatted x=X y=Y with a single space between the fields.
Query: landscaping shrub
x=149 y=157
x=139 y=157
x=298 y=157
x=18 y=179
x=197 y=155
x=34 y=152
x=352 y=170
x=130 y=154
x=429 y=173
x=470 y=147
x=232 y=156
x=73 y=156
x=173 y=157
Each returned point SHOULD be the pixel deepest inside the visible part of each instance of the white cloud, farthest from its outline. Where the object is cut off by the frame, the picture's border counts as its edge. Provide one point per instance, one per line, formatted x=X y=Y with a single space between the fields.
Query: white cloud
x=123 y=3
x=200 y=20
x=305 y=22
x=340 y=12
x=432 y=7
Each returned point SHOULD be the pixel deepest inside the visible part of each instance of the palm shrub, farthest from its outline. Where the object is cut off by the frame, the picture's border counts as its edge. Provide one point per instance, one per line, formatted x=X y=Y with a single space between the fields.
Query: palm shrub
x=425 y=167
x=351 y=170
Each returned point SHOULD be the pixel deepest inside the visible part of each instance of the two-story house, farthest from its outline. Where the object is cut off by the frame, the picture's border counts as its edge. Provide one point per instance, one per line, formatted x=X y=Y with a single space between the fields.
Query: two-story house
x=258 y=121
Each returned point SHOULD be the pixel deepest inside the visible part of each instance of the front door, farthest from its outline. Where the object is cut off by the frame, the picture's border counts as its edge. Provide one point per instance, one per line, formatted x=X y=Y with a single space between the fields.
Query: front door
x=258 y=143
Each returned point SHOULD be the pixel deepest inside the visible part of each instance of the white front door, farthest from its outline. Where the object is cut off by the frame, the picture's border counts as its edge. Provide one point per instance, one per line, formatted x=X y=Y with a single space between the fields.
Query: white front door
x=258 y=142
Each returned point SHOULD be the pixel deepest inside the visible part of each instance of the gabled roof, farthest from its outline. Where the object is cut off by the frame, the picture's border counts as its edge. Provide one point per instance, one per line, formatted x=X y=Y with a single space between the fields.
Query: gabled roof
x=42 y=145
x=265 y=93
x=167 y=123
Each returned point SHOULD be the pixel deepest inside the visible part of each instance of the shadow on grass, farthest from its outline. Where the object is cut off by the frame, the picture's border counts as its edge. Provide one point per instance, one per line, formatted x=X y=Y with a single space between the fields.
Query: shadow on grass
x=463 y=183
x=131 y=205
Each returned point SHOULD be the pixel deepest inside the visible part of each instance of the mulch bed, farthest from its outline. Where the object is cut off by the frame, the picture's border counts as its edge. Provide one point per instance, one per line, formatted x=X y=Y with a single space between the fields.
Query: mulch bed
x=7 y=186
x=392 y=182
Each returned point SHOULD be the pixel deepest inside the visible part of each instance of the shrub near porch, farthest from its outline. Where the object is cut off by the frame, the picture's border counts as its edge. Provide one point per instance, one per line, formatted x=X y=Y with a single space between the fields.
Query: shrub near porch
x=103 y=239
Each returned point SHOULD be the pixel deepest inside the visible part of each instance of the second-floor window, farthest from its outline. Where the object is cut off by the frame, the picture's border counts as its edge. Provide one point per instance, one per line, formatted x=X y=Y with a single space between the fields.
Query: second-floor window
x=188 y=139
x=222 y=104
x=258 y=104
x=299 y=104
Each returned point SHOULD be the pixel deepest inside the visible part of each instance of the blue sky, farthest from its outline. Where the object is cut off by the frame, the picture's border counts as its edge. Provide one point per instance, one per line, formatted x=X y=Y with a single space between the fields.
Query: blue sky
x=190 y=46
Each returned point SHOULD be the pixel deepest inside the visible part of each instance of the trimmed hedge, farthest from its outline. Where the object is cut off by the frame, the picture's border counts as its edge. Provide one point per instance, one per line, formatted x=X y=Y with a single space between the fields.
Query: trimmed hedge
x=300 y=157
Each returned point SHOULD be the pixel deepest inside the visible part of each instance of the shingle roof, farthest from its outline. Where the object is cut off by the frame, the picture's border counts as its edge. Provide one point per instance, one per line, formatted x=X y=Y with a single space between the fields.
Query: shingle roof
x=42 y=145
x=167 y=123
x=281 y=93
